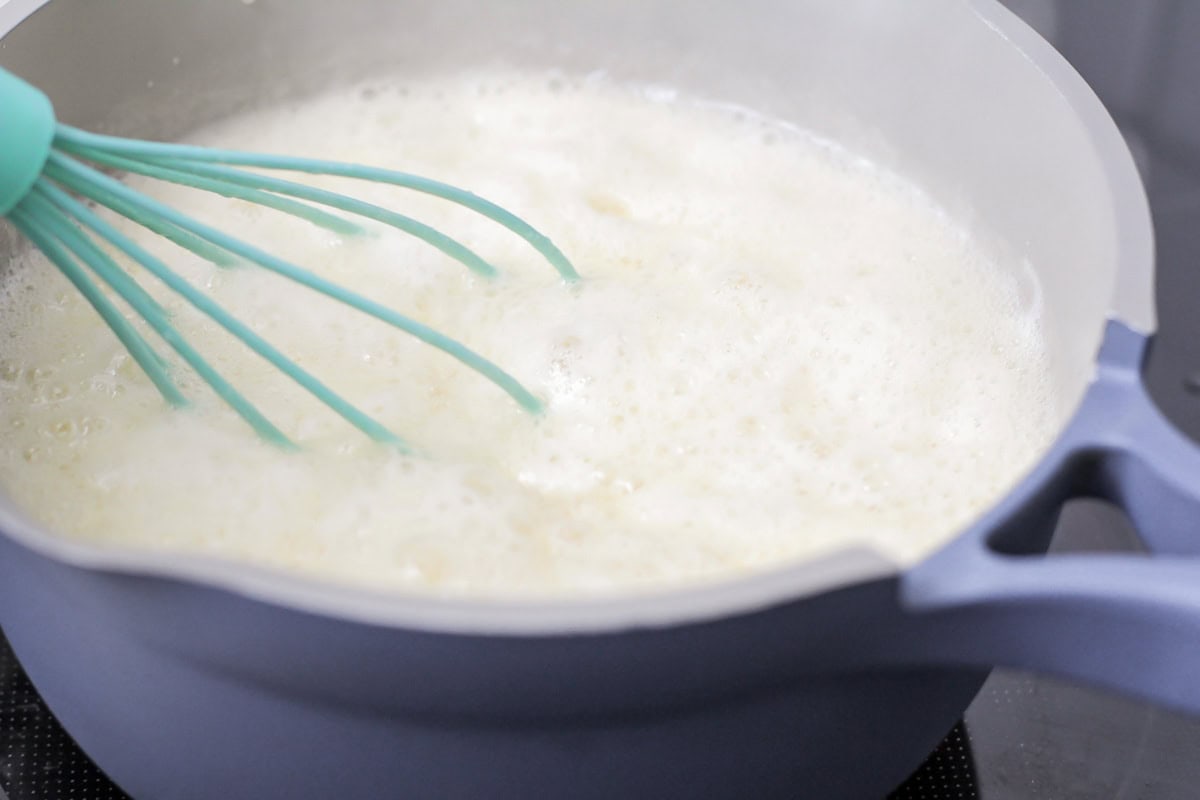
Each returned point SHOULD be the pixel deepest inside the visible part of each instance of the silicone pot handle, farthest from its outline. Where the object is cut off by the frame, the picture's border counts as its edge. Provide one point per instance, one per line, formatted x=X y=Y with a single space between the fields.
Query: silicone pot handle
x=1124 y=621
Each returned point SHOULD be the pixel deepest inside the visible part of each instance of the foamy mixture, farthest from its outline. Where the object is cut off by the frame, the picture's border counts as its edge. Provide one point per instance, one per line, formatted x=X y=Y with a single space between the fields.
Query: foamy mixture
x=777 y=350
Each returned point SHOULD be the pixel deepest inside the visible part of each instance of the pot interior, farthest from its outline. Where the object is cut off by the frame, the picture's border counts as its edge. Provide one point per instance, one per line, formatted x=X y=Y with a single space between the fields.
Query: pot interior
x=959 y=96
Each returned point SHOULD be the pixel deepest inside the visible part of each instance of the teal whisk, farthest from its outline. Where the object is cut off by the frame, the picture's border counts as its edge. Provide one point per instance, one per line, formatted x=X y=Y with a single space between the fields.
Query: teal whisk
x=44 y=170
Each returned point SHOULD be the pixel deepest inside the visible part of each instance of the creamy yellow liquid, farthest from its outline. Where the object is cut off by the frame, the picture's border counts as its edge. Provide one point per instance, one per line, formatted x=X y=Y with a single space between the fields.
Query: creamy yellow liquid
x=778 y=350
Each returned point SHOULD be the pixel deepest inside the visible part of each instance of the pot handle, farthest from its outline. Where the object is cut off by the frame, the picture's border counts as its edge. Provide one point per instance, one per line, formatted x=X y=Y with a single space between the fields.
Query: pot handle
x=1129 y=622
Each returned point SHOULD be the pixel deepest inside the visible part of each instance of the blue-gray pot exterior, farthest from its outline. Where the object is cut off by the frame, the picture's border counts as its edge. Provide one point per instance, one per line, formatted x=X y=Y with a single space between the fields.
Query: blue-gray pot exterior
x=181 y=691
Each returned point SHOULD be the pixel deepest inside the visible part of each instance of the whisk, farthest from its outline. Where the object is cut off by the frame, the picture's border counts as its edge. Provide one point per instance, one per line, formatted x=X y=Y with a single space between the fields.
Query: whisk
x=44 y=170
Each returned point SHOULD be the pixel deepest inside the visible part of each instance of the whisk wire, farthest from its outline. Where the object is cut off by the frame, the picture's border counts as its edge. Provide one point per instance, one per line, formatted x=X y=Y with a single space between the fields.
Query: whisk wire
x=93 y=257
x=227 y=188
x=111 y=273
x=83 y=179
x=149 y=361
x=43 y=174
x=72 y=139
x=213 y=177
x=168 y=230
x=214 y=311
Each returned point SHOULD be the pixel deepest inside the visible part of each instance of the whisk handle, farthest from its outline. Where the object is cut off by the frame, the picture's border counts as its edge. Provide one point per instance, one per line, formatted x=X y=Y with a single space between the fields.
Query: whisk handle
x=26 y=134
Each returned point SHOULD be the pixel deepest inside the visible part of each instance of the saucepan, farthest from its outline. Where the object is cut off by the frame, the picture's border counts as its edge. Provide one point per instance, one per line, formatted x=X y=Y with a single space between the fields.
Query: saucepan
x=187 y=677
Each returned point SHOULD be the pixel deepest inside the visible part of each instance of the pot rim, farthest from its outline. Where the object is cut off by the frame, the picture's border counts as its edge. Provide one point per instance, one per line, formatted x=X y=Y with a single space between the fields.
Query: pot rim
x=1132 y=301
x=1132 y=297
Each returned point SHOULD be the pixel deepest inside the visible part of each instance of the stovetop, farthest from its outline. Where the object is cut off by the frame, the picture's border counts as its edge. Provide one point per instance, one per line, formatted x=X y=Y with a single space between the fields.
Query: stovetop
x=1025 y=737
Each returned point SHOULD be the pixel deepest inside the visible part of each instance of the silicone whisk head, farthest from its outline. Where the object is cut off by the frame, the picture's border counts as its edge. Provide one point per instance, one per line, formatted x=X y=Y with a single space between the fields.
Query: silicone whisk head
x=43 y=172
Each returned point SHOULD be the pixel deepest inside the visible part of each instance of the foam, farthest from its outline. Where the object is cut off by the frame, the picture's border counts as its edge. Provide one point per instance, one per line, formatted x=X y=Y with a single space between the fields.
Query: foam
x=779 y=349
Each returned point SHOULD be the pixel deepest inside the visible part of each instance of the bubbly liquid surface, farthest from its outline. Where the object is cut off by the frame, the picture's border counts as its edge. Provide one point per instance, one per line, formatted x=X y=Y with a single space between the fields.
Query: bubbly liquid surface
x=778 y=350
